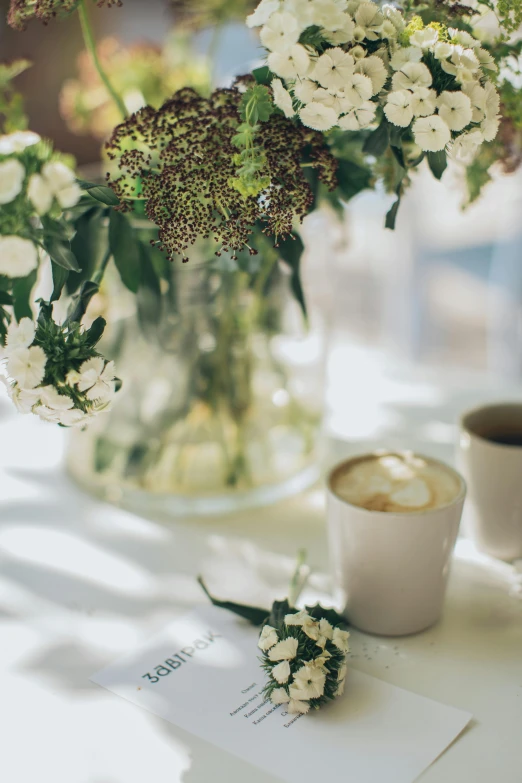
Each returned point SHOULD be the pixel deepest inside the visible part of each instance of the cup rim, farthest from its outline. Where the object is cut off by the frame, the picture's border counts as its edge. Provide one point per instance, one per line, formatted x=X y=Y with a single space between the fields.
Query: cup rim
x=460 y=497
x=488 y=407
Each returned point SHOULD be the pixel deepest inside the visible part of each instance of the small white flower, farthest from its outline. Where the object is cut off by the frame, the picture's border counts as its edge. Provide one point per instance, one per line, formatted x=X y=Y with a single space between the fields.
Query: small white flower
x=282 y=98
x=27 y=366
x=17 y=142
x=340 y=639
x=328 y=99
x=412 y=75
x=325 y=629
x=328 y=14
x=358 y=90
x=443 y=50
x=51 y=398
x=279 y=696
x=281 y=672
x=268 y=638
x=425 y=38
x=318 y=117
x=431 y=133
x=374 y=68
x=359 y=118
x=284 y=651
x=292 y=64
x=492 y=105
x=280 y=33
x=304 y=90
x=263 y=12
x=12 y=175
x=296 y=707
x=334 y=68
x=423 y=102
x=490 y=128
x=455 y=109
x=24 y=400
x=39 y=194
x=297 y=618
x=321 y=660
x=343 y=34
x=340 y=688
x=478 y=98
x=18 y=256
x=388 y=30
x=70 y=196
x=62 y=183
x=466 y=145
x=398 y=109
x=463 y=38
x=410 y=54
x=485 y=59
x=394 y=16
x=72 y=418
x=97 y=379
x=358 y=53
x=20 y=335
x=369 y=17
x=310 y=681
x=341 y=674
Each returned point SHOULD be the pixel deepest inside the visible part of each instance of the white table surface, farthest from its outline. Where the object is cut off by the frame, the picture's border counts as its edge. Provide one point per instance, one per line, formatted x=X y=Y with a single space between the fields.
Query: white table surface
x=81 y=583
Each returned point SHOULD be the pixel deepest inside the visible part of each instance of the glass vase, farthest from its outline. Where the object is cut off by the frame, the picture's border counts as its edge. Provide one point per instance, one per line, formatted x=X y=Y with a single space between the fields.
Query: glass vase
x=222 y=399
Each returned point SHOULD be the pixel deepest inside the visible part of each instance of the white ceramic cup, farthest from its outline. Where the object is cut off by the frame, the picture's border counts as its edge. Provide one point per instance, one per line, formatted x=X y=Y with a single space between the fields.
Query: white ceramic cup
x=493 y=473
x=392 y=568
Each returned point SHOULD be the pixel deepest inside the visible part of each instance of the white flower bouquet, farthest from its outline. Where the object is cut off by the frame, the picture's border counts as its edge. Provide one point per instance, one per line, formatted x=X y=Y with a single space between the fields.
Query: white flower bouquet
x=353 y=93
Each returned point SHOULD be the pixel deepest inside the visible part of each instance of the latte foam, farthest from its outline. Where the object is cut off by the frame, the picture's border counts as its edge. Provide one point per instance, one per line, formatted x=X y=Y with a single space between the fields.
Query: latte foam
x=397 y=483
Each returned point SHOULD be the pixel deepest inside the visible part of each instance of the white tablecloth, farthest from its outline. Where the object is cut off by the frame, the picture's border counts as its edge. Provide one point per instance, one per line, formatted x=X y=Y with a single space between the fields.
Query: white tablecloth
x=81 y=583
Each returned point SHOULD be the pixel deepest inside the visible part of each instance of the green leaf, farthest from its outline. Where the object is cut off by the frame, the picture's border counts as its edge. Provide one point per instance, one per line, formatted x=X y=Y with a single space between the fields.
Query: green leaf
x=60 y=276
x=101 y=193
x=291 y=251
x=437 y=162
x=5 y=298
x=94 y=334
x=377 y=142
x=278 y=612
x=4 y=323
x=61 y=254
x=399 y=155
x=254 y=614
x=81 y=301
x=391 y=215
x=89 y=246
x=22 y=294
x=149 y=299
x=352 y=179
x=126 y=250
x=256 y=105
x=263 y=75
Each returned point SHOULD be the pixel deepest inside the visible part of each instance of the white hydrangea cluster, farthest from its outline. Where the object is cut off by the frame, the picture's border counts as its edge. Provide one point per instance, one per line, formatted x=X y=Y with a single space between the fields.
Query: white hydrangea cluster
x=305 y=660
x=340 y=63
x=29 y=186
x=73 y=402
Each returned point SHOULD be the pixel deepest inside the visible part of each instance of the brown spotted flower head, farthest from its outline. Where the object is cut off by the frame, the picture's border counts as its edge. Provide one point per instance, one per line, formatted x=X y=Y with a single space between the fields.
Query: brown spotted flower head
x=23 y=11
x=180 y=164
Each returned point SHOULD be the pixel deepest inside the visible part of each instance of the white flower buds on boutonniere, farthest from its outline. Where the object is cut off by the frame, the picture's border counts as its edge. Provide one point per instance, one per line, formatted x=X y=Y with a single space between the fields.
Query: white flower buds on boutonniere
x=304 y=656
x=303 y=652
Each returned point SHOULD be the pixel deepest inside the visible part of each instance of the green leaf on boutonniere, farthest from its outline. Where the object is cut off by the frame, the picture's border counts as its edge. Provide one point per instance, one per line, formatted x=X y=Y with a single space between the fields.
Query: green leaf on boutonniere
x=61 y=254
x=438 y=163
x=263 y=75
x=100 y=193
x=254 y=614
x=291 y=251
x=60 y=276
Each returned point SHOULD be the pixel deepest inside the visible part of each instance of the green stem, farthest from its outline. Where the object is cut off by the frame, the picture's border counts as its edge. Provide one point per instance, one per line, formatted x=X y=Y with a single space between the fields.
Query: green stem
x=299 y=579
x=90 y=45
x=98 y=277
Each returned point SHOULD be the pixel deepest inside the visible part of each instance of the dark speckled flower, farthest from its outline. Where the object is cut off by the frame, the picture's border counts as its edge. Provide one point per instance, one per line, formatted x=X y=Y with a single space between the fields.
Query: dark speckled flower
x=23 y=11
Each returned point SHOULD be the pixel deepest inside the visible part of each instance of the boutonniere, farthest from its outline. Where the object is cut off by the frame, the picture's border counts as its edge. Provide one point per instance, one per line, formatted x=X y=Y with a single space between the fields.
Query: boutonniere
x=303 y=650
